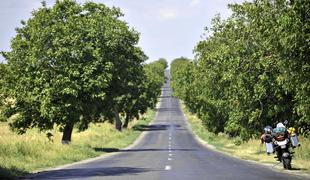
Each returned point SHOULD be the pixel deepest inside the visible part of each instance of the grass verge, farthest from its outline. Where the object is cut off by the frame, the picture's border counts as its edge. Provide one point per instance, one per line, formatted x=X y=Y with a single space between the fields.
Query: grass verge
x=21 y=154
x=250 y=150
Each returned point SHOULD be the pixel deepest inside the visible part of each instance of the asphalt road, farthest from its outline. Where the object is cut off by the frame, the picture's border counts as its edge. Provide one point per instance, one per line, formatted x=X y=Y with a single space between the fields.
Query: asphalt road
x=168 y=150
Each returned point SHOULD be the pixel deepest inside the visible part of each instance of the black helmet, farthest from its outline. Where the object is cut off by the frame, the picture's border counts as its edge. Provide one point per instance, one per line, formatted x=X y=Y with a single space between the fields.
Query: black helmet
x=268 y=129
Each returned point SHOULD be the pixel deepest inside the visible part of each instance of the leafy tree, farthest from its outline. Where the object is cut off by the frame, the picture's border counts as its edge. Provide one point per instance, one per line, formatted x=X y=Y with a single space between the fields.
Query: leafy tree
x=155 y=73
x=252 y=70
x=164 y=62
x=127 y=70
x=2 y=97
x=180 y=78
x=145 y=90
x=65 y=63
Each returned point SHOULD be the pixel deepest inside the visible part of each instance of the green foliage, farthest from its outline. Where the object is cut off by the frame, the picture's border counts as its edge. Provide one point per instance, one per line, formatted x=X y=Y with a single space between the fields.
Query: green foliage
x=155 y=78
x=180 y=76
x=237 y=141
x=252 y=70
x=2 y=90
x=164 y=62
x=72 y=64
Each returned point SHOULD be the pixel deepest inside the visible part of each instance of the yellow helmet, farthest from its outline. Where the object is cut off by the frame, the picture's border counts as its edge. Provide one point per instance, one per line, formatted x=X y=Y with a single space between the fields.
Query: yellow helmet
x=291 y=130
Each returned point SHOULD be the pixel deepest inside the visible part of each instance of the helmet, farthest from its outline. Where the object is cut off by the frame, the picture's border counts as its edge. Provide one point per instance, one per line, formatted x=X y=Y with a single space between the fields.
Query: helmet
x=291 y=131
x=268 y=130
x=280 y=125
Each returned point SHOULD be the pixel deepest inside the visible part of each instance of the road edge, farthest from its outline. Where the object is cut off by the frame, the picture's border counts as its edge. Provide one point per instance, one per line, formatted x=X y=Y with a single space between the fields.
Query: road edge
x=213 y=148
x=100 y=157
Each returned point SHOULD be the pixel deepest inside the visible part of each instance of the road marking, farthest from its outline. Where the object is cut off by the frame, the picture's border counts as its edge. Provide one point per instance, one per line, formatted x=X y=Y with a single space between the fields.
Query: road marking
x=167 y=168
x=170 y=151
x=170 y=154
x=169 y=159
x=169 y=138
x=169 y=145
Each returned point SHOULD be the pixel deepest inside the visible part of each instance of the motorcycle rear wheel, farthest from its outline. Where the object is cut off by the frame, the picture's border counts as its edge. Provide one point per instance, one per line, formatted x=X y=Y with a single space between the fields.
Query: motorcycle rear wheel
x=287 y=163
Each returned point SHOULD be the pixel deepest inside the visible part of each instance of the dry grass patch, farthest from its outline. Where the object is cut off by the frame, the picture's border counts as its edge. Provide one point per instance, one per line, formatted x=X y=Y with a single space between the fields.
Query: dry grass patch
x=20 y=154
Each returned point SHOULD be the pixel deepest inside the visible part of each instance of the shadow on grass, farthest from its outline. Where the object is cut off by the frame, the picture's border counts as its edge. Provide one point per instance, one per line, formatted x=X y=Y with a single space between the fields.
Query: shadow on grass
x=89 y=172
x=110 y=150
x=11 y=173
x=260 y=152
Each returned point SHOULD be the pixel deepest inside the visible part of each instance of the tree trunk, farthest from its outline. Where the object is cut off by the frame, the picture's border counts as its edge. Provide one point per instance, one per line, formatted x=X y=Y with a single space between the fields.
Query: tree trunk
x=126 y=122
x=66 y=137
x=118 y=122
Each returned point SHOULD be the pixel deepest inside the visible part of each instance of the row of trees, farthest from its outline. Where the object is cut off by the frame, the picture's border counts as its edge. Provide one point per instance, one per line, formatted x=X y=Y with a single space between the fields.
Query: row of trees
x=252 y=70
x=2 y=73
x=73 y=64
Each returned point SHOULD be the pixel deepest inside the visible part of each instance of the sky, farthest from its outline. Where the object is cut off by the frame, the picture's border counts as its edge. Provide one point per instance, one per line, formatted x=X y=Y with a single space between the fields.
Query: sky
x=168 y=28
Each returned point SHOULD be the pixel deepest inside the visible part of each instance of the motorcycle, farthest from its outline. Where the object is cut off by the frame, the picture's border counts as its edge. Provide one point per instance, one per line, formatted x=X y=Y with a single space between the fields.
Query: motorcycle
x=284 y=154
x=281 y=141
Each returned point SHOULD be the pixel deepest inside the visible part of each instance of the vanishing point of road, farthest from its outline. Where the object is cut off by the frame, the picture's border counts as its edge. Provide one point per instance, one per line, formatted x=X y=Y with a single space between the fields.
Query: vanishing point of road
x=167 y=151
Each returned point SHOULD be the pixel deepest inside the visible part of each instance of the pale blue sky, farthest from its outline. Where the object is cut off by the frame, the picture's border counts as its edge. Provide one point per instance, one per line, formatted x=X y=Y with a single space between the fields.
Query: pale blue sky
x=169 y=28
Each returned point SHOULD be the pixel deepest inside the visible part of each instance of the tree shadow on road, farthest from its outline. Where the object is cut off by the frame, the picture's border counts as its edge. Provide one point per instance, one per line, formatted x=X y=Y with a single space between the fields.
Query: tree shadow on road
x=89 y=172
x=155 y=127
x=161 y=109
x=165 y=97
x=298 y=169
x=110 y=150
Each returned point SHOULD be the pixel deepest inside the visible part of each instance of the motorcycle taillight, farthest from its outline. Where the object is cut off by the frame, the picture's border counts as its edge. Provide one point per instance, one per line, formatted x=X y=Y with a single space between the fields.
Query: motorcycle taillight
x=280 y=138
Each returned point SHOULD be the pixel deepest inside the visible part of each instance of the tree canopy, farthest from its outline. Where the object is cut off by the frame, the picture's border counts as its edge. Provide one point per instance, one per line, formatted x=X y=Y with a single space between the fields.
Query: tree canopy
x=252 y=70
x=72 y=64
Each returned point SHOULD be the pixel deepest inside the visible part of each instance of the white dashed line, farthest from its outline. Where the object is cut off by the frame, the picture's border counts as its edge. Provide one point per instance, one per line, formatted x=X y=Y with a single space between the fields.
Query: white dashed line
x=169 y=138
x=170 y=154
x=169 y=159
x=167 y=168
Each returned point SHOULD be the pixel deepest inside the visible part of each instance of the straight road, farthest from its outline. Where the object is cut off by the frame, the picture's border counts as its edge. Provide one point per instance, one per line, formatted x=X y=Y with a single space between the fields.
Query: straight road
x=168 y=150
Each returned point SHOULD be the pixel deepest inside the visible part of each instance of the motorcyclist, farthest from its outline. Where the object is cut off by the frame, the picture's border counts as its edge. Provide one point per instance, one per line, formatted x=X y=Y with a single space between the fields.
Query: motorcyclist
x=267 y=138
x=267 y=135
x=279 y=133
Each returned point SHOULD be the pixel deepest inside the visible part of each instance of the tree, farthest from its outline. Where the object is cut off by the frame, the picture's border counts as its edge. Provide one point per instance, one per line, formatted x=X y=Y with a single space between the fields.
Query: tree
x=179 y=79
x=164 y=62
x=252 y=70
x=155 y=73
x=144 y=91
x=65 y=63
x=125 y=92
x=2 y=90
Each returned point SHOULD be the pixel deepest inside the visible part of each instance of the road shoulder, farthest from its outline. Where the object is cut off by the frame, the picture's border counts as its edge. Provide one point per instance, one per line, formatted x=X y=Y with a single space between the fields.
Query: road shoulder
x=209 y=146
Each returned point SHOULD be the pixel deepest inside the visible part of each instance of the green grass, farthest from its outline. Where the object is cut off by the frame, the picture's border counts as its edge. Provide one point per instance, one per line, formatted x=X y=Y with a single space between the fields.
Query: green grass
x=21 y=154
x=250 y=150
